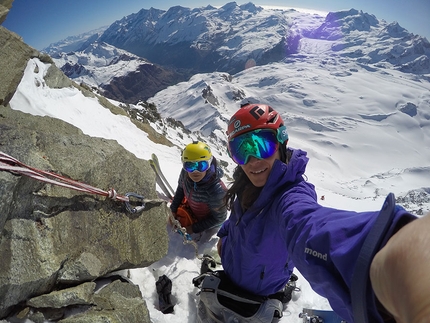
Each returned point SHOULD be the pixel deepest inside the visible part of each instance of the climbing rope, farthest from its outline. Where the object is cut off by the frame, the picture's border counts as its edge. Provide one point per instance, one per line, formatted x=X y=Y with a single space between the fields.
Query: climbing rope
x=177 y=227
x=14 y=166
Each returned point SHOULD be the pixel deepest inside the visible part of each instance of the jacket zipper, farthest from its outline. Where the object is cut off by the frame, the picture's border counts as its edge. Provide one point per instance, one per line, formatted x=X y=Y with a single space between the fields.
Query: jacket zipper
x=261 y=277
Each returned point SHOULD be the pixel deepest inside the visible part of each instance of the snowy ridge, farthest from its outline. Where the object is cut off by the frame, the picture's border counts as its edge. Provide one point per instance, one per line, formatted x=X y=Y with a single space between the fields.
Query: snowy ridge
x=182 y=42
x=98 y=63
x=233 y=33
x=73 y=43
x=241 y=32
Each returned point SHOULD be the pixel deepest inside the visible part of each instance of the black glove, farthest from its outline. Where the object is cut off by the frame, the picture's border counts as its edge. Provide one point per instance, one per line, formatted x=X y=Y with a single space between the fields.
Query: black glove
x=164 y=291
x=288 y=290
x=207 y=262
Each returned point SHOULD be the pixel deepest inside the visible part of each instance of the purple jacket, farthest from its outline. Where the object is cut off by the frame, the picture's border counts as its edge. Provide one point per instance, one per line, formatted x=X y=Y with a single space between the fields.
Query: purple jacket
x=287 y=228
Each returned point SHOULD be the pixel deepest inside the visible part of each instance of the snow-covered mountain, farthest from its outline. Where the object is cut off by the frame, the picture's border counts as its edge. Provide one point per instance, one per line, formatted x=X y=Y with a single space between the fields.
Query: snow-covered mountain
x=223 y=39
x=319 y=67
x=74 y=43
x=181 y=42
x=98 y=63
x=114 y=72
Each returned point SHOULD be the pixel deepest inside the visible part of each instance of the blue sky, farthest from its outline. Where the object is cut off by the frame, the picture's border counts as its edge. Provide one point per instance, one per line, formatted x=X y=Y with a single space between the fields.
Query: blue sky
x=42 y=22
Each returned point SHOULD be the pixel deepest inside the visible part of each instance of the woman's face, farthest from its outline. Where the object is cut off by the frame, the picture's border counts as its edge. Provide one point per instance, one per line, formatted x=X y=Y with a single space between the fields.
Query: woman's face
x=197 y=176
x=258 y=170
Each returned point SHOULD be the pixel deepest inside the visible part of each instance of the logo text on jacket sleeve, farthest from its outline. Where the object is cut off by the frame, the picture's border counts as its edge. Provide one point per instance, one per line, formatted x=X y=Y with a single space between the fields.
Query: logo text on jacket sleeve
x=316 y=254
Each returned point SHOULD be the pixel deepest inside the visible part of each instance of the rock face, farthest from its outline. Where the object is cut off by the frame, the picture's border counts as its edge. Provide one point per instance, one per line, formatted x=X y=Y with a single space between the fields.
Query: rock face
x=5 y=5
x=117 y=301
x=14 y=55
x=51 y=237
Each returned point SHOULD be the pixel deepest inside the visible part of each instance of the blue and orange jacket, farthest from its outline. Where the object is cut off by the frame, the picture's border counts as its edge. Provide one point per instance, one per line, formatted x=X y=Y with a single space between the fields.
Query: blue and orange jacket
x=205 y=198
x=286 y=228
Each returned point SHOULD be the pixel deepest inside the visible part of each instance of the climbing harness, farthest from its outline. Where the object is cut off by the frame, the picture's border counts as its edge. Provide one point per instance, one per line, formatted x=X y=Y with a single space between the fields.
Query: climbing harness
x=220 y=300
x=14 y=166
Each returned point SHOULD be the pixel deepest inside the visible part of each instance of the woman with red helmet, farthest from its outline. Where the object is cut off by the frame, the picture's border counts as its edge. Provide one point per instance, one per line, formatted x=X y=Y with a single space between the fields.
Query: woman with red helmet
x=276 y=225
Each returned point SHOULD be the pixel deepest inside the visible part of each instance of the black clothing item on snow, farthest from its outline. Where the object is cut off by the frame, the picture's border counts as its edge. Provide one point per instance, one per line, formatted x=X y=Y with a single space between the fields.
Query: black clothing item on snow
x=205 y=198
x=164 y=291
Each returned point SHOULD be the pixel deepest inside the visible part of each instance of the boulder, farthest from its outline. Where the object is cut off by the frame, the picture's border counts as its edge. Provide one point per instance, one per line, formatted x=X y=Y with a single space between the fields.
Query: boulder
x=54 y=236
x=117 y=301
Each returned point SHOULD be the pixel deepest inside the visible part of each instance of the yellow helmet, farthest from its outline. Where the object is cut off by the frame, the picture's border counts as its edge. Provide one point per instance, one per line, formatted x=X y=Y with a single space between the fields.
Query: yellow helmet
x=196 y=151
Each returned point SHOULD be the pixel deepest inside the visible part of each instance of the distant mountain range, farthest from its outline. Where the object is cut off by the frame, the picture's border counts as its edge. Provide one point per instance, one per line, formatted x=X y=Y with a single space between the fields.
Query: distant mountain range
x=145 y=52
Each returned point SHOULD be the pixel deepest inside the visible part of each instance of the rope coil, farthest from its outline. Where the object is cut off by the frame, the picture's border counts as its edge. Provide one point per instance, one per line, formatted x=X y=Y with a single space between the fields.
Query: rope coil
x=112 y=194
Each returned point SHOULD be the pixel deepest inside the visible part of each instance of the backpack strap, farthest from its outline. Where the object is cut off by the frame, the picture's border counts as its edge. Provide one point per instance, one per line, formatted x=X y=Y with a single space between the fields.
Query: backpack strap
x=240 y=298
x=360 y=278
x=223 y=302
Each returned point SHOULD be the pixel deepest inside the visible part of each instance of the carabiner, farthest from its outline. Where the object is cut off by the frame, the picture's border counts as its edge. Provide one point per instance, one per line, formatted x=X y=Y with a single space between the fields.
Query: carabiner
x=137 y=208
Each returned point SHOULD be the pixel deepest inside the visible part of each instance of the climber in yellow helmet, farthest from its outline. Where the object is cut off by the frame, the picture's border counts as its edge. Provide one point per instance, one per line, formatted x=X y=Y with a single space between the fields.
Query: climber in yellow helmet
x=198 y=202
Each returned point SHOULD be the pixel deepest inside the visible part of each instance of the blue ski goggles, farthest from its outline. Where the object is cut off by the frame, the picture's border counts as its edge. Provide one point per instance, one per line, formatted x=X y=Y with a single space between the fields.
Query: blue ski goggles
x=260 y=143
x=199 y=166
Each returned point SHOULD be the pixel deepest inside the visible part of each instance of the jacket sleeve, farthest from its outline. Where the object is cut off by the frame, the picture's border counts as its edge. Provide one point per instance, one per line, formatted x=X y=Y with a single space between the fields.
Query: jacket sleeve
x=324 y=245
x=218 y=210
x=179 y=194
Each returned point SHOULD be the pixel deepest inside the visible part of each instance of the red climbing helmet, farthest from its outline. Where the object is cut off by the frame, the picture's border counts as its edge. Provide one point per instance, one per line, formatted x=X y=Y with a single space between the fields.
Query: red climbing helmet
x=255 y=130
x=252 y=117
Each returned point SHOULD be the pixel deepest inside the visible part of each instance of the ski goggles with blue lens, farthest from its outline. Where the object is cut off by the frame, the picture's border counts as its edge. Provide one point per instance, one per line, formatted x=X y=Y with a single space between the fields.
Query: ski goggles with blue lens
x=260 y=143
x=200 y=166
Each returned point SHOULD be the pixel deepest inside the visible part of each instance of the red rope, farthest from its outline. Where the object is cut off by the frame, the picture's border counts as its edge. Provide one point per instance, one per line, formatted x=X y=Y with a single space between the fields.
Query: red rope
x=10 y=164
